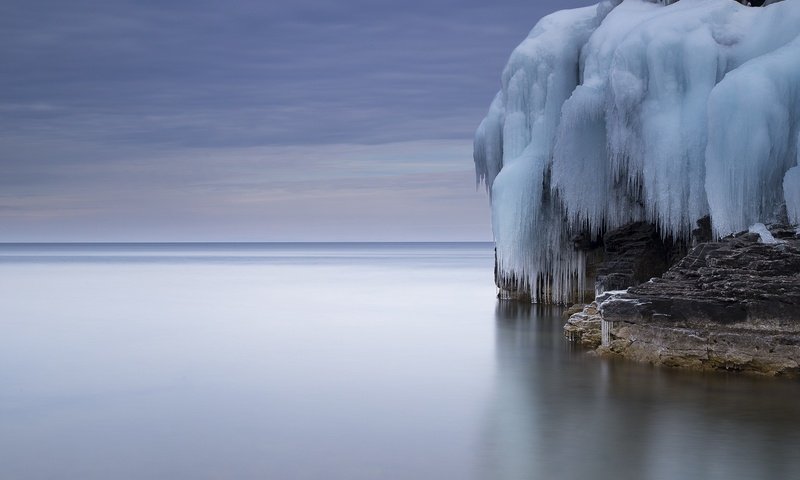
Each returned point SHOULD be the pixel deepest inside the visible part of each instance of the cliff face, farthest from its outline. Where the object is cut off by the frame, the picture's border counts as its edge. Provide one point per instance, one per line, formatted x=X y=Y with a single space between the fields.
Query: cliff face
x=733 y=304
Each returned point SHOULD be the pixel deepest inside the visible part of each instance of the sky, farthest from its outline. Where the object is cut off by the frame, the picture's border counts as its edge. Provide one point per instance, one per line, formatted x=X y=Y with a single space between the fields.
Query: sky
x=249 y=120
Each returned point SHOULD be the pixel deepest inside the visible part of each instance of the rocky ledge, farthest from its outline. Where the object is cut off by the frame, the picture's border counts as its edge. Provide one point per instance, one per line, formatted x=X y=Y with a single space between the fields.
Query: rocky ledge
x=733 y=304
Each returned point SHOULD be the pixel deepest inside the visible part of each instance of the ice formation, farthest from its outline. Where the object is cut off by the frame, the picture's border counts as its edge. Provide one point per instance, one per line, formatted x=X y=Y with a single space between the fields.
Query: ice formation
x=765 y=236
x=637 y=110
x=791 y=190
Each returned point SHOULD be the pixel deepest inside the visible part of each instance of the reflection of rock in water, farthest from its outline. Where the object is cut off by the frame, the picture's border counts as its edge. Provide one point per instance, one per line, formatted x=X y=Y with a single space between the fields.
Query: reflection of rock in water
x=556 y=413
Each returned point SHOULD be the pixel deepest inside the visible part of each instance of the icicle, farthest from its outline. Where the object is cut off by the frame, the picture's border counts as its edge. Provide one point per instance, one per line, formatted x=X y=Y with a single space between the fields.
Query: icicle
x=635 y=112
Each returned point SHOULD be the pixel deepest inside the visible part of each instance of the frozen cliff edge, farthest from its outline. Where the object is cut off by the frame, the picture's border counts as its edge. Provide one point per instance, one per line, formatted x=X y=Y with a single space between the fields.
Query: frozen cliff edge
x=638 y=113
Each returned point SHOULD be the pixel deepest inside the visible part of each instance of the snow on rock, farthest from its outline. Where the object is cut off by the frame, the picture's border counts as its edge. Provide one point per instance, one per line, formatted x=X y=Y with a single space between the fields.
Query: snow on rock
x=636 y=111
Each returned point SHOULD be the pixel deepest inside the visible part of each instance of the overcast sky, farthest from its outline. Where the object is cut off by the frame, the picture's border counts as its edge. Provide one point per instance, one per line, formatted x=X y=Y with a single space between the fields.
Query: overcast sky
x=248 y=120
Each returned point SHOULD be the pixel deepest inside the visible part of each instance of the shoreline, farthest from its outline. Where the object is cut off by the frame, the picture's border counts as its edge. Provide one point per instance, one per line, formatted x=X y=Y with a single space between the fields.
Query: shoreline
x=731 y=305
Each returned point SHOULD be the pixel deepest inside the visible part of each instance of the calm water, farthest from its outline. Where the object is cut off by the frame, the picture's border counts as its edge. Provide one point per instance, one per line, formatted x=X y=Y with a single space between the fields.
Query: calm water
x=372 y=361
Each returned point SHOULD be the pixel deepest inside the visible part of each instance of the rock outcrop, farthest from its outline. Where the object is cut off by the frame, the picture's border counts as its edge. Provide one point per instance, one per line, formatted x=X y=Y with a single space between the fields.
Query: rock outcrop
x=732 y=305
x=584 y=326
x=633 y=254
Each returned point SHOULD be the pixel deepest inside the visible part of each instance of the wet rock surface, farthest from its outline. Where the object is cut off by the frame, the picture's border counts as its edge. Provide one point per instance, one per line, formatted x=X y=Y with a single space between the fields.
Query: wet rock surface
x=732 y=305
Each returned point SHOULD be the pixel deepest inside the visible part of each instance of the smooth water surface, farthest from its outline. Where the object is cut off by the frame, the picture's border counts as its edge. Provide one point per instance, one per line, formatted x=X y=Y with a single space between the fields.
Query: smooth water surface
x=340 y=361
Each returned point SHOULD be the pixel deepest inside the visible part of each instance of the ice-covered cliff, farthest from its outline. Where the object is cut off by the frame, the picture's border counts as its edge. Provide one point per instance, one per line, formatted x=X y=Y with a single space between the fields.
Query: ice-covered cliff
x=636 y=111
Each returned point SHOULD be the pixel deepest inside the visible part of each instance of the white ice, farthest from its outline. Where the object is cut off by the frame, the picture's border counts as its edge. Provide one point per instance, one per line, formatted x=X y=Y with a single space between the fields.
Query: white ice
x=639 y=111
x=764 y=234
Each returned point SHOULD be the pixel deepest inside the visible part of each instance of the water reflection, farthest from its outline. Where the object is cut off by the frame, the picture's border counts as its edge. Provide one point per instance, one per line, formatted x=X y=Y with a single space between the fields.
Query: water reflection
x=559 y=413
x=326 y=367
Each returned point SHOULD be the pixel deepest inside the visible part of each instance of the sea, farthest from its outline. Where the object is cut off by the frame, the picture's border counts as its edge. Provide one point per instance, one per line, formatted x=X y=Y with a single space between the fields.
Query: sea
x=341 y=361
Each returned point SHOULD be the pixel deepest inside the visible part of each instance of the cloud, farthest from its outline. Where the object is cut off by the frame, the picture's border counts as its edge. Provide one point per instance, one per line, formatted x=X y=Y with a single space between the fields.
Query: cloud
x=152 y=99
x=255 y=73
x=412 y=190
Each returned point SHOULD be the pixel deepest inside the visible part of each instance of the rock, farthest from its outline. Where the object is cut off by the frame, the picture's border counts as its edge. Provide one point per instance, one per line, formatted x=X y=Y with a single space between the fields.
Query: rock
x=633 y=254
x=728 y=305
x=702 y=233
x=584 y=327
x=573 y=310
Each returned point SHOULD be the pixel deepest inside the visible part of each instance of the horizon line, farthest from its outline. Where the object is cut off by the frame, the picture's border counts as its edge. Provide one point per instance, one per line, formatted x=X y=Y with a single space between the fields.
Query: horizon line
x=242 y=242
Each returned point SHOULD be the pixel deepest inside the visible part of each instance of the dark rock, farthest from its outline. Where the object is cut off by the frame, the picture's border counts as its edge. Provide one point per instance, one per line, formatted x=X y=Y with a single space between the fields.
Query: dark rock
x=732 y=304
x=703 y=232
x=633 y=254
